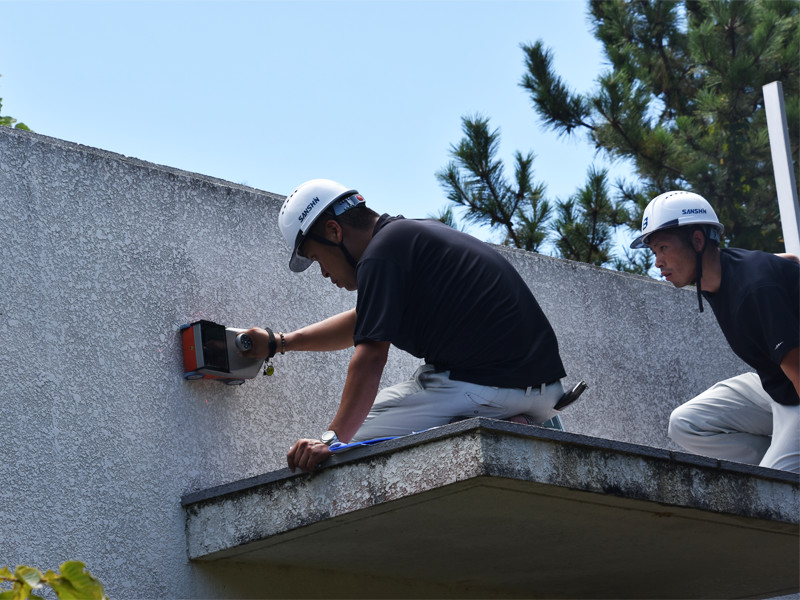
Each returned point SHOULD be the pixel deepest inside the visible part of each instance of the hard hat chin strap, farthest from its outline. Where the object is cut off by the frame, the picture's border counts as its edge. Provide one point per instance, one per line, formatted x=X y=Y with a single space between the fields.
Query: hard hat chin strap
x=347 y=256
x=699 y=278
x=699 y=270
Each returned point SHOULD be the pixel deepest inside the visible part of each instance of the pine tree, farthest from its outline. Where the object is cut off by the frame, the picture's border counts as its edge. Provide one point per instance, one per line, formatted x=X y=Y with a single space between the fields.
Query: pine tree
x=584 y=223
x=580 y=228
x=683 y=102
x=475 y=179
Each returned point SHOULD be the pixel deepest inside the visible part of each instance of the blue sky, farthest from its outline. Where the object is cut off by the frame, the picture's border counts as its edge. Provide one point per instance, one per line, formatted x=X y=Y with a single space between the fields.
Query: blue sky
x=272 y=93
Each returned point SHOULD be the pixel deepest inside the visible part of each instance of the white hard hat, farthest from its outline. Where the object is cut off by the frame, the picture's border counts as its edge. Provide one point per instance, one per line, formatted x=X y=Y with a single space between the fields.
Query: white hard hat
x=676 y=209
x=305 y=205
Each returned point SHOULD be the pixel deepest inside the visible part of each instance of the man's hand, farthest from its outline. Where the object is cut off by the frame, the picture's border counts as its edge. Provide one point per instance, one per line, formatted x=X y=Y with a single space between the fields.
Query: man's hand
x=307 y=454
x=260 y=347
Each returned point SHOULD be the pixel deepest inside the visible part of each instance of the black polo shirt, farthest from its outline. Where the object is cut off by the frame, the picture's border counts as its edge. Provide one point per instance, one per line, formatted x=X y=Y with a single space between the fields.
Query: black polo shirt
x=757 y=308
x=442 y=295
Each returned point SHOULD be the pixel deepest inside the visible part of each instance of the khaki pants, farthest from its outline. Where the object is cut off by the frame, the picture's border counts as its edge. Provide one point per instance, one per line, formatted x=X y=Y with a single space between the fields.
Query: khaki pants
x=737 y=420
x=431 y=398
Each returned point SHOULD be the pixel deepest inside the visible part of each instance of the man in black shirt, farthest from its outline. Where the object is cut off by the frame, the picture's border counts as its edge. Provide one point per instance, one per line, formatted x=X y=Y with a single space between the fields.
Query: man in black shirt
x=755 y=296
x=437 y=293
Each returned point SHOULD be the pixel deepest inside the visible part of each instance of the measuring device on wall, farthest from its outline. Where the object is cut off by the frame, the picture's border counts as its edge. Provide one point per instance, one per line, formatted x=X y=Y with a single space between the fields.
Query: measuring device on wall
x=211 y=351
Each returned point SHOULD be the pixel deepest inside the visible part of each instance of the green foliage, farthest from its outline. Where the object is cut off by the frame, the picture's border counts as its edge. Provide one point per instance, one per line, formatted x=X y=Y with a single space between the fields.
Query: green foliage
x=475 y=179
x=448 y=217
x=9 y=121
x=73 y=583
x=638 y=262
x=682 y=102
x=584 y=224
x=580 y=228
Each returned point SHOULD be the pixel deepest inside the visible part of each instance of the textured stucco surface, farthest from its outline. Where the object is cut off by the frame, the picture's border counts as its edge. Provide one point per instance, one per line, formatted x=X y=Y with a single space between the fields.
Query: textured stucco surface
x=104 y=257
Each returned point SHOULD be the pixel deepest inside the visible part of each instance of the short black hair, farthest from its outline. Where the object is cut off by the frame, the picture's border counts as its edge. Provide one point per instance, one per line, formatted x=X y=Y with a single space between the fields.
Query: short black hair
x=684 y=233
x=359 y=217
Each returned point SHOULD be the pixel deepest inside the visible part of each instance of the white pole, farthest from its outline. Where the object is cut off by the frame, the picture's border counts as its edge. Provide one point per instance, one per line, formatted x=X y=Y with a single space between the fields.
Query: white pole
x=782 y=165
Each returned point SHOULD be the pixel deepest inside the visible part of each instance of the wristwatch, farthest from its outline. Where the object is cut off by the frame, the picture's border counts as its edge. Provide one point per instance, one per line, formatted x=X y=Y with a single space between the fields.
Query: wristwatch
x=329 y=437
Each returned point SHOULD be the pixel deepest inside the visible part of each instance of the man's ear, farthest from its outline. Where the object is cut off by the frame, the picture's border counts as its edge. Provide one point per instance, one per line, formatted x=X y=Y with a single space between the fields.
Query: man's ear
x=698 y=240
x=333 y=231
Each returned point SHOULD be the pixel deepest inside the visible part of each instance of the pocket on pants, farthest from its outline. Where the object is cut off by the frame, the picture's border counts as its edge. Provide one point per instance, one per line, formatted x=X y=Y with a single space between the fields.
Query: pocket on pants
x=489 y=397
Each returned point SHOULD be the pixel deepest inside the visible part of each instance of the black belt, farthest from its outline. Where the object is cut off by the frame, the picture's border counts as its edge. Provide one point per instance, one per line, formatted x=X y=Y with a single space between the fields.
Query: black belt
x=540 y=385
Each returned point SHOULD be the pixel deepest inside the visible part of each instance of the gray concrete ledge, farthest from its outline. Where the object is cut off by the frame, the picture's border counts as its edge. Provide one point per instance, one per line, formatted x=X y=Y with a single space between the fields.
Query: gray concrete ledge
x=488 y=508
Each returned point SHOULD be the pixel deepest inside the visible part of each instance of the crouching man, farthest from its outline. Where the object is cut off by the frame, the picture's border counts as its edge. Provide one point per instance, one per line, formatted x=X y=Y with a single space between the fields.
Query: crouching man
x=434 y=292
x=754 y=417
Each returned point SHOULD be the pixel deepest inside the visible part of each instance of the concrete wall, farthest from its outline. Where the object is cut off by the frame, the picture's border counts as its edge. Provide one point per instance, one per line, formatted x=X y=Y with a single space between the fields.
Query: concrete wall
x=104 y=257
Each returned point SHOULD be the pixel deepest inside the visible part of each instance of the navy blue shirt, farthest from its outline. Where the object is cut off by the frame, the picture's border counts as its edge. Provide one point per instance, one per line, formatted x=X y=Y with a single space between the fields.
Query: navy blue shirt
x=757 y=307
x=442 y=295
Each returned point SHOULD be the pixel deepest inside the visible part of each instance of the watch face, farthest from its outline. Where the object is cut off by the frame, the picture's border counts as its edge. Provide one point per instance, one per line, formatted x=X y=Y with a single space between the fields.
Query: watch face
x=328 y=437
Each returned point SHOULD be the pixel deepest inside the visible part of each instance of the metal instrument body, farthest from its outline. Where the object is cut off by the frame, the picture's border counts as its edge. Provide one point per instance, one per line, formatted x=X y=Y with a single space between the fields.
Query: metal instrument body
x=210 y=351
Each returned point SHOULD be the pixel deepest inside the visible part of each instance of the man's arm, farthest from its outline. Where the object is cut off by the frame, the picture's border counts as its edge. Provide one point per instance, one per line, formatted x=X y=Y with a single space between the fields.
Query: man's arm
x=360 y=389
x=791 y=362
x=334 y=333
x=791 y=367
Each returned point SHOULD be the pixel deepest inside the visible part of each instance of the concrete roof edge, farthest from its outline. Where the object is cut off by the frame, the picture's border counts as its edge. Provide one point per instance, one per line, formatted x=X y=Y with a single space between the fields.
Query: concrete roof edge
x=484 y=426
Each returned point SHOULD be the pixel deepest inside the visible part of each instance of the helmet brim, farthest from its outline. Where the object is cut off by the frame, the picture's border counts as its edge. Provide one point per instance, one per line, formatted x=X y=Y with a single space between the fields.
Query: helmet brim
x=640 y=242
x=298 y=263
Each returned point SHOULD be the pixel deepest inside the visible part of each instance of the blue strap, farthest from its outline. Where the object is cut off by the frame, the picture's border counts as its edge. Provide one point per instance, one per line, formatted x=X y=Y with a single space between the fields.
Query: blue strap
x=341 y=447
